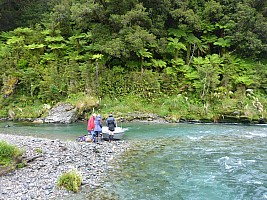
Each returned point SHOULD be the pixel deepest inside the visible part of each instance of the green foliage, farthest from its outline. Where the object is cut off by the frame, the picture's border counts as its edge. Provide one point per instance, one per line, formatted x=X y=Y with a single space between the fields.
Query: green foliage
x=175 y=46
x=137 y=17
x=246 y=36
x=70 y=180
x=208 y=74
x=146 y=50
x=22 y=13
x=83 y=102
x=176 y=106
x=22 y=107
x=8 y=153
x=222 y=42
x=38 y=150
x=21 y=165
x=147 y=84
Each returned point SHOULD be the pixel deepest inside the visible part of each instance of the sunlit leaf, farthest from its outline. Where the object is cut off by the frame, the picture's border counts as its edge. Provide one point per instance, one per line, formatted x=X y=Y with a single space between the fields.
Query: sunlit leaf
x=223 y=42
x=97 y=56
x=56 y=46
x=35 y=46
x=14 y=40
x=159 y=63
x=54 y=39
x=21 y=31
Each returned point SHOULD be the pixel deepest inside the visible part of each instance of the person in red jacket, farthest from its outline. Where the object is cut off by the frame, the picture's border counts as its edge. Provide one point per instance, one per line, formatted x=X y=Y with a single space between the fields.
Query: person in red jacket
x=91 y=125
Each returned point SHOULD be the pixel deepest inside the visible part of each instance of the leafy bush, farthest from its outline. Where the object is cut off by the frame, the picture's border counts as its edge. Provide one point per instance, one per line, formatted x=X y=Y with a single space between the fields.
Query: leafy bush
x=8 y=153
x=126 y=104
x=29 y=111
x=83 y=102
x=71 y=180
x=3 y=113
x=22 y=107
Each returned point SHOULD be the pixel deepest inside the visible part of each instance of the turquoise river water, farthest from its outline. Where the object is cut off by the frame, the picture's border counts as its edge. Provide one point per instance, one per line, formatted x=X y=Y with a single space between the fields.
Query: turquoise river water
x=178 y=161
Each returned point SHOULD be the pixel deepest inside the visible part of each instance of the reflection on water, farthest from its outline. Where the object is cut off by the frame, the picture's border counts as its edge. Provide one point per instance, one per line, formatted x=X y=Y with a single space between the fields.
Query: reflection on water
x=51 y=131
x=178 y=161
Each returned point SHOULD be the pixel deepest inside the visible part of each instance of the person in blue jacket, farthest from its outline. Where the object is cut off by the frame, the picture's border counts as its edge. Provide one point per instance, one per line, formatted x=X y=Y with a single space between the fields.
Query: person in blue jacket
x=98 y=128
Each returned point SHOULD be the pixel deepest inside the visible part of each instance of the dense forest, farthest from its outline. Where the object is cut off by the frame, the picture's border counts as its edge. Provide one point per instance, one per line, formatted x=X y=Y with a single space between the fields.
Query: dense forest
x=187 y=59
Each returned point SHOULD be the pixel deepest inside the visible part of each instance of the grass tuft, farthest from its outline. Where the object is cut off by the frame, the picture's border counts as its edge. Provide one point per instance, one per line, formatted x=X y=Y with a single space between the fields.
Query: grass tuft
x=71 y=180
x=10 y=157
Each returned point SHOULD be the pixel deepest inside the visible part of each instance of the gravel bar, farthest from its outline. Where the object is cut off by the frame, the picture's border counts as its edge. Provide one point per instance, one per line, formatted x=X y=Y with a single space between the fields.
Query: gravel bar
x=38 y=180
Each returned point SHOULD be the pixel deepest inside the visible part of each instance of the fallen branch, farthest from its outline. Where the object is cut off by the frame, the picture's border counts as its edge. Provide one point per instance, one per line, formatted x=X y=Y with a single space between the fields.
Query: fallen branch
x=33 y=158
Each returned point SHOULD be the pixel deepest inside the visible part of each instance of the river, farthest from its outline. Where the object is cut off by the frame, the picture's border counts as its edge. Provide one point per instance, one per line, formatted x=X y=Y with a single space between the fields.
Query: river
x=178 y=161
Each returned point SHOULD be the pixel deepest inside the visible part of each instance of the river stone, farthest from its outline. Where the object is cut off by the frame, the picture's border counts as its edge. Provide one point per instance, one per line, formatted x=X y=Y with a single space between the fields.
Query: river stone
x=63 y=113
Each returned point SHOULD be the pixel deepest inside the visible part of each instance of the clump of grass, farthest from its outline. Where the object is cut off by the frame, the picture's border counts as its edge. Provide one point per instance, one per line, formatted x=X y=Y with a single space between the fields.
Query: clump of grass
x=8 y=153
x=10 y=157
x=71 y=180
x=21 y=165
x=38 y=150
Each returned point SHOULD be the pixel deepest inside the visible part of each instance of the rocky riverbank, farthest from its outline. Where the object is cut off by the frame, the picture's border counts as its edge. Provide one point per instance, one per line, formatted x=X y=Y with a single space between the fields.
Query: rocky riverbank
x=38 y=180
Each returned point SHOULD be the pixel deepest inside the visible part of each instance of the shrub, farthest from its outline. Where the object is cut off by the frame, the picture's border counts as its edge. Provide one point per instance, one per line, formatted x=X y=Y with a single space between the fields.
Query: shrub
x=8 y=153
x=71 y=180
x=83 y=102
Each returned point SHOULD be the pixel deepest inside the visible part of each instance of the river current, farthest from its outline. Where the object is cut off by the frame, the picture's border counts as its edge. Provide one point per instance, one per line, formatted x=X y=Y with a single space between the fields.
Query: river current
x=178 y=161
